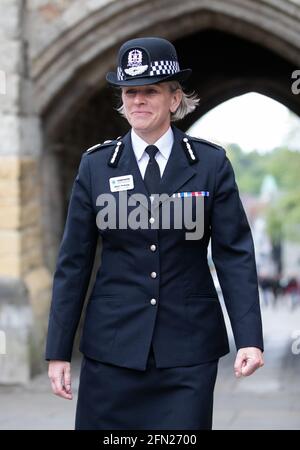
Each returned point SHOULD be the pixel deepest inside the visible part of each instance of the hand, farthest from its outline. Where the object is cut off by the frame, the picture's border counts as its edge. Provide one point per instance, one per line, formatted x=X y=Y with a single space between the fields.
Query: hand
x=247 y=360
x=59 y=373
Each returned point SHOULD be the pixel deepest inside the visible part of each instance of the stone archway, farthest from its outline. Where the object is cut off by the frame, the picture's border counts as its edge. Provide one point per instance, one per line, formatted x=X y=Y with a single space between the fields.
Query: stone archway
x=62 y=50
x=232 y=46
x=76 y=50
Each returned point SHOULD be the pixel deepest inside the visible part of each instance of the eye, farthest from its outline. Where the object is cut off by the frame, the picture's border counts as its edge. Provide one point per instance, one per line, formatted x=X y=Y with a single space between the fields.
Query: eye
x=130 y=92
x=151 y=91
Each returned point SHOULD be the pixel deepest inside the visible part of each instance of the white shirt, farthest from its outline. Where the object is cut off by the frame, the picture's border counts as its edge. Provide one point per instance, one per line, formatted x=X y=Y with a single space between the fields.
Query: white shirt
x=164 y=145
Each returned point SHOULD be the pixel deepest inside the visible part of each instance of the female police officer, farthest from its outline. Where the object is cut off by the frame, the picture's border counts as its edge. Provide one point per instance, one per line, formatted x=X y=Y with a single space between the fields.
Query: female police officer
x=154 y=329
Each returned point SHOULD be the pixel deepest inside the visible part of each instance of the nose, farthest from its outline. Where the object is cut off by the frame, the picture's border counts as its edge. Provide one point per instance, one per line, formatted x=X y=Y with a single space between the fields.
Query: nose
x=139 y=98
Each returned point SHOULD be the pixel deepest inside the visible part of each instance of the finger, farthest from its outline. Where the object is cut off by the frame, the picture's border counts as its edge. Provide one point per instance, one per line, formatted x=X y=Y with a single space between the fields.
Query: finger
x=56 y=384
x=58 y=388
x=250 y=367
x=239 y=361
x=61 y=392
x=67 y=379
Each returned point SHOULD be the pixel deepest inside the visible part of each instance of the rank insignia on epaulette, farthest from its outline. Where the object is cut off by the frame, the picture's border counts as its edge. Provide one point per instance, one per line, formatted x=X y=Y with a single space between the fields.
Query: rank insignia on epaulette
x=93 y=148
x=205 y=141
x=116 y=154
x=189 y=151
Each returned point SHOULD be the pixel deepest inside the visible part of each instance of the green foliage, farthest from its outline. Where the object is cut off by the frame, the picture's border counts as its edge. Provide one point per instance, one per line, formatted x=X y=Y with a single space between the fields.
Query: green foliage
x=283 y=216
x=289 y=210
x=284 y=165
x=274 y=224
x=248 y=168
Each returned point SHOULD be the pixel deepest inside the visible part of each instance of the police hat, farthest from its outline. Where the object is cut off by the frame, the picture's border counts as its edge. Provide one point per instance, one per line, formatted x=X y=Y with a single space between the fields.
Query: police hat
x=147 y=60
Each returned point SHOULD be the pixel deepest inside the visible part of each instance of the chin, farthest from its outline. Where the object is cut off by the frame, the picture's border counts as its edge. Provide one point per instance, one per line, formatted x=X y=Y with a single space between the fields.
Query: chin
x=139 y=125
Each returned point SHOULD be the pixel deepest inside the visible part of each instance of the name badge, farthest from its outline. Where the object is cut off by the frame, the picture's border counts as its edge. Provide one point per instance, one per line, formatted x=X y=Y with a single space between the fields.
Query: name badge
x=123 y=183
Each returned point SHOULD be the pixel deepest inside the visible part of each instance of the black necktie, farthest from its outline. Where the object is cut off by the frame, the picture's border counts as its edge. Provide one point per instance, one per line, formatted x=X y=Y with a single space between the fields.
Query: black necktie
x=152 y=174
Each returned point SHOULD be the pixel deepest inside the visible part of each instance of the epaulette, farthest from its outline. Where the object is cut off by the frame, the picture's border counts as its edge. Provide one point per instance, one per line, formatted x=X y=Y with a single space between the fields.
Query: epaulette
x=189 y=150
x=100 y=146
x=117 y=145
x=204 y=141
x=116 y=153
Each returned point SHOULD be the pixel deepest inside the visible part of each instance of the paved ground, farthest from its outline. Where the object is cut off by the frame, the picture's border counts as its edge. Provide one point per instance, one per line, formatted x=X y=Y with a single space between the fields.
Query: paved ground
x=270 y=399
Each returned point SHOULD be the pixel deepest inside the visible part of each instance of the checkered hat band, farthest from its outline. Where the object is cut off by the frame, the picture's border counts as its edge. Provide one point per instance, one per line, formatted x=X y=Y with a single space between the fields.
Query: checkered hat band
x=156 y=68
x=120 y=74
x=164 y=68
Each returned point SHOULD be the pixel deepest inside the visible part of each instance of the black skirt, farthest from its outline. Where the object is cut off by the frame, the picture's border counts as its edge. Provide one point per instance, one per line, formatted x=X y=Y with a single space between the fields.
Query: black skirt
x=118 y=398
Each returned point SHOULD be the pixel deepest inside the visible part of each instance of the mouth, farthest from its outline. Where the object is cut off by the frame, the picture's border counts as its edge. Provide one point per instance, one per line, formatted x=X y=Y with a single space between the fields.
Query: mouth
x=140 y=112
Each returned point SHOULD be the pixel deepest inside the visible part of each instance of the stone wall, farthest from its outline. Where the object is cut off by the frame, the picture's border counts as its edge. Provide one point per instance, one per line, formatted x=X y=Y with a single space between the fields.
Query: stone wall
x=24 y=281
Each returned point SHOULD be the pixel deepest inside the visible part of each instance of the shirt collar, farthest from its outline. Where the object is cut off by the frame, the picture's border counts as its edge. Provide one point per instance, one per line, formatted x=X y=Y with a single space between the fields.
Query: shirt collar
x=164 y=144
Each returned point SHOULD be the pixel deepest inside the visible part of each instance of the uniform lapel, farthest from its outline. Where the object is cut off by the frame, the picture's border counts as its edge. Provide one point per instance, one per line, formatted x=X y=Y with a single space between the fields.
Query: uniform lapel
x=177 y=171
x=128 y=165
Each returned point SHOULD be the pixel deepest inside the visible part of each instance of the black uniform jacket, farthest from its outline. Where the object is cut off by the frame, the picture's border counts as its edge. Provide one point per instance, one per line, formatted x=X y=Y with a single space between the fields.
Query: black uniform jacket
x=154 y=285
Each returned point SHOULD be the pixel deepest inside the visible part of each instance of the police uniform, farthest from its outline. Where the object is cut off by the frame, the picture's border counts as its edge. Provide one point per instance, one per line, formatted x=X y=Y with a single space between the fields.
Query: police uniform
x=154 y=329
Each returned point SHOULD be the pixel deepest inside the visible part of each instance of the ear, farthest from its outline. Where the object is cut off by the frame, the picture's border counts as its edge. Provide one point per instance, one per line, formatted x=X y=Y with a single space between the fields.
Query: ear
x=175 y=100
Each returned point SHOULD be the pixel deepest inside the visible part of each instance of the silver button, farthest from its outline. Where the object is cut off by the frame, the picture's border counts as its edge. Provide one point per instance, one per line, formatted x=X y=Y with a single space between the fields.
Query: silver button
x=153 y=247
x=153 y=274
x=153 y=301
x=151 y=220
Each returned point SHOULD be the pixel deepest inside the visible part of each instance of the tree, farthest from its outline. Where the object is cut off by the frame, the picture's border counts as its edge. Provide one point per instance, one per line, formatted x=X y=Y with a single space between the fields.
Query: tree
x=283 y=216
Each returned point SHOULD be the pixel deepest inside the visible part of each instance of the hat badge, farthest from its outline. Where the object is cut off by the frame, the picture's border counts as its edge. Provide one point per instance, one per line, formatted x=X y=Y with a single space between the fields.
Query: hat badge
x=135 y=63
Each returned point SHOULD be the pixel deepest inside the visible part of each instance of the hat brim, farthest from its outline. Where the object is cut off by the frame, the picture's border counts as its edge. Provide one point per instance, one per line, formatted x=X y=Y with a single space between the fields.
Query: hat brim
x=182 y=75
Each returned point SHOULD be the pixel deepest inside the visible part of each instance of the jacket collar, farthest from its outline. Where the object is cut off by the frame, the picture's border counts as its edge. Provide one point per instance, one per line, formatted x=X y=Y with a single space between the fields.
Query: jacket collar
x=164 y=144
x=177 y=171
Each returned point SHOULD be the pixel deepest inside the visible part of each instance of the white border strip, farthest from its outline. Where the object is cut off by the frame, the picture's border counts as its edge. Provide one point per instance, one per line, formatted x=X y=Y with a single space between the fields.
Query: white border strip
x=2 y=343
x=2 y=82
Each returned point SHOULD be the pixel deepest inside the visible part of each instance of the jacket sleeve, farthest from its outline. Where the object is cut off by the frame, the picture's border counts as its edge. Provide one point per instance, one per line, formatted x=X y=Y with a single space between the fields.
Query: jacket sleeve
x=234 y=258
x=74 y=266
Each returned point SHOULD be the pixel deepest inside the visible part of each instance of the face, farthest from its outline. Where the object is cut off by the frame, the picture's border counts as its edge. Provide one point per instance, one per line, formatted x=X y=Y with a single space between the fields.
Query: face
x=148 y=108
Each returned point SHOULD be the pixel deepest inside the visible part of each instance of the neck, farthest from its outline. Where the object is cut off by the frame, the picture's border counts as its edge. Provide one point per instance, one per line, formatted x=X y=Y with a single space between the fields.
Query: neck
x=152 y=136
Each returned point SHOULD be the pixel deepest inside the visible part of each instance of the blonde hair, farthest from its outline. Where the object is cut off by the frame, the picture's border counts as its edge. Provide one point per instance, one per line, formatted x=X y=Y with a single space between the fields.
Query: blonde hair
x=188 y=104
